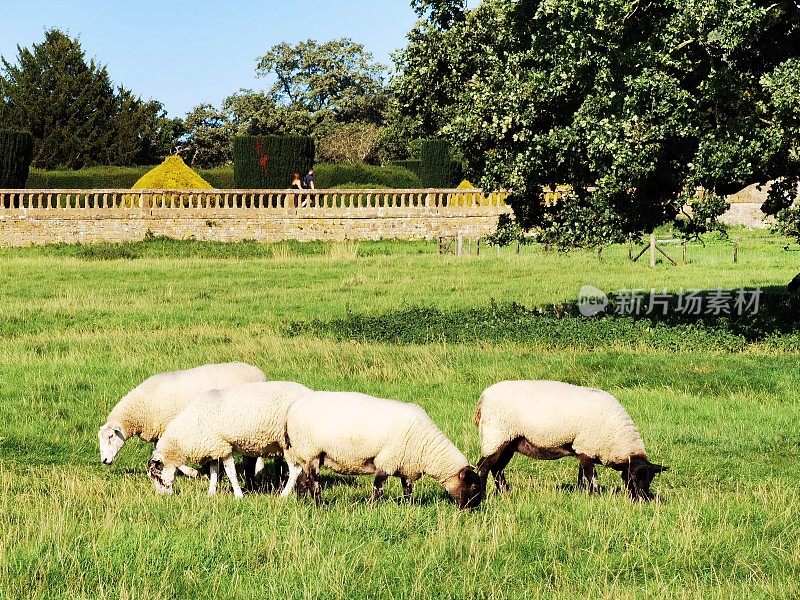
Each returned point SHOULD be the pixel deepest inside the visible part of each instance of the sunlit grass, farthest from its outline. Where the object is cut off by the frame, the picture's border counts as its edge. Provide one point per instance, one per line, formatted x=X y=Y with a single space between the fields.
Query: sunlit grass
x=80 y=327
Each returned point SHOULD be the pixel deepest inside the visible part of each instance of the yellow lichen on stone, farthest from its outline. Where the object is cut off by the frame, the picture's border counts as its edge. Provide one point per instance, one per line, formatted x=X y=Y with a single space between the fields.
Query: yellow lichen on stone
x=172 y=174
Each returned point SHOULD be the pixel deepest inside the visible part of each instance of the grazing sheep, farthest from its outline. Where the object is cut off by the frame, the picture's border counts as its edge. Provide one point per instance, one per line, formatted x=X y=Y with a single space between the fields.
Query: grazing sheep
x=147 y=408
x=358 y=434
x=549 y=420
x=249 y=418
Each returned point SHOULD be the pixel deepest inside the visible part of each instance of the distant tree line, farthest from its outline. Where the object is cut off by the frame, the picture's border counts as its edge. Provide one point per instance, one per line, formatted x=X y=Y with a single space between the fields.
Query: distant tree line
x=332 y=91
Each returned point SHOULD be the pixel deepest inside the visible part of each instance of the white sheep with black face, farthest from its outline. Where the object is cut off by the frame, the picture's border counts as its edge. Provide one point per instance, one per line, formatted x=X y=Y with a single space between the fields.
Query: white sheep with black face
x=248 y=418
x=359 y=434
x=146 y=410
x=549 y=420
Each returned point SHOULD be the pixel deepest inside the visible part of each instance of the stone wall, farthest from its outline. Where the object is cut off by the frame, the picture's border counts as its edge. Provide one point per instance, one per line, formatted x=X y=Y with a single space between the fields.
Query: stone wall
x=27 y=226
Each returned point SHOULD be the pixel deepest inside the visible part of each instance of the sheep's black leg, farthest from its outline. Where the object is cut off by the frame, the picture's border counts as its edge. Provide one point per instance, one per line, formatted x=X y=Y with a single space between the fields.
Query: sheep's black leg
x=377 y=487
x=249 y=468
x=283 y=471
x=587 y=476
x=408 y=488
x=312 y=474
x=278 y=473
x=496 y=463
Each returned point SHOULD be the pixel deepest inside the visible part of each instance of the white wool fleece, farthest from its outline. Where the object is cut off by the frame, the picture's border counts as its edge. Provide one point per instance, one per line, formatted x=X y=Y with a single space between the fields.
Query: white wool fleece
x=148 y=408
x=552 y=414
x=361 y=434
x=247 y=418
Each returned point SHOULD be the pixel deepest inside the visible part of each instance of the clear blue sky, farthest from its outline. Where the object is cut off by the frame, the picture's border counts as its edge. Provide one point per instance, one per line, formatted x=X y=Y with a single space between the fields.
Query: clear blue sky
x=186 y=52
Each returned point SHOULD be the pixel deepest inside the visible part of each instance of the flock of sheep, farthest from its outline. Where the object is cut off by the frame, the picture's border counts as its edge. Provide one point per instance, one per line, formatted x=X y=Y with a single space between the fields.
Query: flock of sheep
x=203 y=415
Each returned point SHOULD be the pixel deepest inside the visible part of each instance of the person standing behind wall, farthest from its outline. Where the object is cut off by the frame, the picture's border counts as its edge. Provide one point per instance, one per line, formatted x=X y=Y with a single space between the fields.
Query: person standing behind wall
x=297 y=184
x=308 y=180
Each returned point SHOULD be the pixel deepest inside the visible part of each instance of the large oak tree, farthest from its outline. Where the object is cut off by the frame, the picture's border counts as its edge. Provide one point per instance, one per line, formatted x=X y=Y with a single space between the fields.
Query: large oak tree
x=641 y=101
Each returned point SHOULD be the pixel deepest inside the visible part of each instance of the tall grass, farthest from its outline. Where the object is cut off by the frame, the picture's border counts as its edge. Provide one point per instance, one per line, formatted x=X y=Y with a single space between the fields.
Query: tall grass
x=78 y=330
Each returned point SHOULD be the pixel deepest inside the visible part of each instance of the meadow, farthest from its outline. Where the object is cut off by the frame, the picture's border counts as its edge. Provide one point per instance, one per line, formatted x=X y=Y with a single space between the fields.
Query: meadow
x=716 y=400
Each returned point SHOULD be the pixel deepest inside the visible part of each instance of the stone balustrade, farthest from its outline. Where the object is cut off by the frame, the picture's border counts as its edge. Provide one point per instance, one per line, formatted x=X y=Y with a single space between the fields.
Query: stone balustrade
x=86 y=216
x=252 y=199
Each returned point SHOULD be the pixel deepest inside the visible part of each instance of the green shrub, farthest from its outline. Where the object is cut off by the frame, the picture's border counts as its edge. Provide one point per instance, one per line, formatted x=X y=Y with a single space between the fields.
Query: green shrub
x=220 y=177
x=110 y=178
x=437 y=168
x=508 y=231
x=16 y=151
x=267 y=162
x=90 y=178
x=328 y=176
x=358 y=186
x=412 y=164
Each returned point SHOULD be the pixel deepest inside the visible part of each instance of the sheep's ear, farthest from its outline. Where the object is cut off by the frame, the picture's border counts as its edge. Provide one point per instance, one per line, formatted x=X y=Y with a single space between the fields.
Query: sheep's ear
x=655 y=469
x=464 y=473
x=119 y=433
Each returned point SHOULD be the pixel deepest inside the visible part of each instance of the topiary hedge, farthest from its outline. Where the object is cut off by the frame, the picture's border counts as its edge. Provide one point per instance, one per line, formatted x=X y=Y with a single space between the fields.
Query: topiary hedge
x=16 y=152
x=438 y=169
x=172 y=174
x=268 y=161
x=329 y=176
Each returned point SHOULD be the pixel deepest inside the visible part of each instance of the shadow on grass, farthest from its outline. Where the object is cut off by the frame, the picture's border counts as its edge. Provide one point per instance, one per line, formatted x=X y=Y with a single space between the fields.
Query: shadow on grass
x=775 y=324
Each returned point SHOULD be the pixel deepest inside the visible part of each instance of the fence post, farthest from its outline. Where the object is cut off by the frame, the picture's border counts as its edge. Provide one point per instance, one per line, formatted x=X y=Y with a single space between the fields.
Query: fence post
x=652 y=250
x=478 y=248
x=736 y=250
x=685 y=253
x=460 y=244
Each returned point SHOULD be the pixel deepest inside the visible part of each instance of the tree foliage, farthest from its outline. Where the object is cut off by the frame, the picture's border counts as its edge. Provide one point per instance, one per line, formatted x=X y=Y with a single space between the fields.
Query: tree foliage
x=207 y=139
x=76 y=115
x=441 y=13
x=349 y=143
x=641 y=102
x=323 y=85
x=327 y=91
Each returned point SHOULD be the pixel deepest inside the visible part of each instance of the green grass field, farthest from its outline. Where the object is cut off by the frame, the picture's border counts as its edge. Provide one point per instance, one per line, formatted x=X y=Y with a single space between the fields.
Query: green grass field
x=717 y=403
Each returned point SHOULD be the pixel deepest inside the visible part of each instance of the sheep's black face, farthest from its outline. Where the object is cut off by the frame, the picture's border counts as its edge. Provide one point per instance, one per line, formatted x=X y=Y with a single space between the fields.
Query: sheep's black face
x=470 y=489
x=638 y=475
x=155 y=469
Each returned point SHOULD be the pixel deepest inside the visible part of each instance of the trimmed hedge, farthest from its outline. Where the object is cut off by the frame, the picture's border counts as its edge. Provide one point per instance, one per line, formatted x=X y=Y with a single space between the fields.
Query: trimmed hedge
x=16 y=152
x=220 y=177
x=268 y=161
x=98 y=178
x=328 y=176
x=412 y=164
x=438 y=169
x=87 y=179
